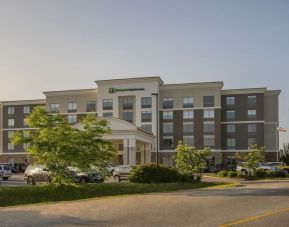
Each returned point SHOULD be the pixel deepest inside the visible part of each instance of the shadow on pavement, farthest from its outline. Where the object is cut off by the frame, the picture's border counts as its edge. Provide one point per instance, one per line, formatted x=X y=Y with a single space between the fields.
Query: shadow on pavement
x=33 y=218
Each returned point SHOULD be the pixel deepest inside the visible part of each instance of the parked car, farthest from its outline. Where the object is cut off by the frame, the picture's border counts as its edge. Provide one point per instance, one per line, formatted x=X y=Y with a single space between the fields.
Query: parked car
x=5 y=171
x=121 y=172
x=39 y=173
x=261 y=165
x=281 y=166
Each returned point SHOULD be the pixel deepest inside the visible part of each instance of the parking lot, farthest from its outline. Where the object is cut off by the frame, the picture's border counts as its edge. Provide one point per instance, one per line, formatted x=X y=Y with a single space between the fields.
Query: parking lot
x=15 y=180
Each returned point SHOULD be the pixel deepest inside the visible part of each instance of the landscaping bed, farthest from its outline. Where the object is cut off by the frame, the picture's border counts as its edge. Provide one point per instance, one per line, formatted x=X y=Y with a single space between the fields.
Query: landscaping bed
x=10 y=196
x=260 y=174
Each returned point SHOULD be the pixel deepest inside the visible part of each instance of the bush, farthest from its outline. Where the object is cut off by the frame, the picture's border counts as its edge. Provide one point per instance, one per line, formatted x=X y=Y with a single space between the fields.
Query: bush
x=240 y=174
x=223 y=173
x=260 y=173
x=157 y=174
x=273 y=174
x=232 y=174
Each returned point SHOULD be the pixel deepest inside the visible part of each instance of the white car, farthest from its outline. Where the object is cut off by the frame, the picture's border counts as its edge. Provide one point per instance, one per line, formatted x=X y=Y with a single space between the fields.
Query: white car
x=261 y=165
x=5 y=171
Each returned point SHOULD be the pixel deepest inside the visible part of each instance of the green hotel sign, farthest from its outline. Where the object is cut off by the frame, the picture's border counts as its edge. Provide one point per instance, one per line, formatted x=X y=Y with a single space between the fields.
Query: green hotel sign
x=114 y=90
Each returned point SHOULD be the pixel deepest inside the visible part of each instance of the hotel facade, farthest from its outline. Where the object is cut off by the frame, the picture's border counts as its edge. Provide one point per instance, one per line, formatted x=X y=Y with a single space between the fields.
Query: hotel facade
x=148 y=118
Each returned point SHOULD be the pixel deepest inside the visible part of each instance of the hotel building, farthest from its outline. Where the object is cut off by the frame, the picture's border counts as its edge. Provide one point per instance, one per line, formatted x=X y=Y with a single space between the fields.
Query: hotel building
x=148 y=118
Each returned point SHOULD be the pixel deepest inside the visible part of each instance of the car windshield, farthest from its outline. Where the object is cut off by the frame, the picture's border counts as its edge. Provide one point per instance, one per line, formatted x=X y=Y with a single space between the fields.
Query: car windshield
x=6 y=168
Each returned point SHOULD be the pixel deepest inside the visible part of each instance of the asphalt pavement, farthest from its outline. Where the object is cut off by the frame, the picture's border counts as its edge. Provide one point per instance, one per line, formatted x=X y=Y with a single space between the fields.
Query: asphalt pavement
x=252 y=204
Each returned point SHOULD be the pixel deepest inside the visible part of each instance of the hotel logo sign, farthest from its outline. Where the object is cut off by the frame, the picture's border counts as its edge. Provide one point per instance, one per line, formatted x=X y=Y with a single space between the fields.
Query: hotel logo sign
x=114 y=90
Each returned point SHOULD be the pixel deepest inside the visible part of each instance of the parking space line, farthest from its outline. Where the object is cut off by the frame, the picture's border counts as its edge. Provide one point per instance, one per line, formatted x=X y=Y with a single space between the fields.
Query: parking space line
x=254 y=218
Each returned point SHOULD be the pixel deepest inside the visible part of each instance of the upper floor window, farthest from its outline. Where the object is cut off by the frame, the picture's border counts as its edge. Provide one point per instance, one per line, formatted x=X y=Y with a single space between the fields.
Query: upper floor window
x=91 y=106
x=10 y=146
x=107 y=114
x=107 y=104
x=10 y=122
x=252 y=128
x=188 y=102
x=230 y=100
x=147 y=127
x=127 y=116
x=11 y=110
x=230 y=115
x=251 y=99
x=146 y=102
x=26 y=109
x=127 y=103
x=168 y=115
x=209 y=113
x=188 y=115
x=168 y=103
x=209 y=126
x=146 y=116
x=54 y=107
x=72 y=107
x=168 y=129
x=251 y=114
x=168 y=142
x=209 y=141
x=231 y=128
x=231 y=142
x=188 y=129
x=188 y=140
x=251 y=141
x=10 y=134
x=209 y=101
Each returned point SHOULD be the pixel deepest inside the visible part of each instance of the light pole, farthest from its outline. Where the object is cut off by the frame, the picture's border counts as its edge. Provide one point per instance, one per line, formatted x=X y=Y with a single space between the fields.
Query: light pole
x=157 y=122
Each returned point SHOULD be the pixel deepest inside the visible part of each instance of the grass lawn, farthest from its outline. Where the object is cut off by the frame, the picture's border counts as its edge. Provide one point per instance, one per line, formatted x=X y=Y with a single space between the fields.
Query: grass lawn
x=10 y=196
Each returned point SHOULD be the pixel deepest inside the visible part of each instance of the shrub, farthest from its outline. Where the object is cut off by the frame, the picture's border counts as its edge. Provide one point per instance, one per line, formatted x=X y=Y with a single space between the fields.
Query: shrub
x=231 y=174
x=157 y=174
x=260 y=173
x=273 y=174
x=223 y=173
x=240 y=174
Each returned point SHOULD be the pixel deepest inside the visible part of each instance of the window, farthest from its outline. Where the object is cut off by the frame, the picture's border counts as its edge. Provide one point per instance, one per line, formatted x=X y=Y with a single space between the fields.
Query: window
x=10 y=134
x=10 y=122
x=188 y=115
x=72 y=119
x=168 y=115
x=107 y=114
x=11 y=110
x=251 y=114
x=209 y=127
x=168 y=103
x=26 y=109
x=251 y=100
x=188 y=129
x=188 y=140
x=10 y=146
x=127 y=103
x=127 y=116
x=146 y=116
x=168 y=142
x=251 y=141
x=230 y=100
x=147 y=127
x=91 y=106
x=107 y=104
x=209 y=114
x=209 y=141
x=209 y=101
x=231 y=128
x=168 y=129
x=72 y=107
x=188 y=102
x=252 y=128
x=24 y=123
x=230 y=114
x=54 y=108
x=146 y=102
x=231 y=142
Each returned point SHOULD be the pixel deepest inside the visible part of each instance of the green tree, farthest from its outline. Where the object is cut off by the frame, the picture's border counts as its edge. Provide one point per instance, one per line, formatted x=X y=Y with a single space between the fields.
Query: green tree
x=54 y=143
x=285 y=153
x=189 y=160
x=252 y=158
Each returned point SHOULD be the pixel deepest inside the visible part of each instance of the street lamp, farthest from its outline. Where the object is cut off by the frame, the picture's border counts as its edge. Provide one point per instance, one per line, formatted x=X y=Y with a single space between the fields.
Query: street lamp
x=157 y=112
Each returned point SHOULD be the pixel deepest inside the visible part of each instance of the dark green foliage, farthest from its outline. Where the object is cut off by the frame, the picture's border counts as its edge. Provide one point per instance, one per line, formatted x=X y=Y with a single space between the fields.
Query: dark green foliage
x=273 y=174
x=232 y=174
x=223 y=173
x=260 y=173
x=157 y=174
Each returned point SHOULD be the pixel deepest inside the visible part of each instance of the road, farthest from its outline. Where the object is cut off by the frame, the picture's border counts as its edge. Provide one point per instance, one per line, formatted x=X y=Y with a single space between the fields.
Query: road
x=253 y=204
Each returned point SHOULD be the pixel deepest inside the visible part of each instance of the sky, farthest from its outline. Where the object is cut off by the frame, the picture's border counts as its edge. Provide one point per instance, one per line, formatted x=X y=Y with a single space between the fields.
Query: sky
x=68 y=44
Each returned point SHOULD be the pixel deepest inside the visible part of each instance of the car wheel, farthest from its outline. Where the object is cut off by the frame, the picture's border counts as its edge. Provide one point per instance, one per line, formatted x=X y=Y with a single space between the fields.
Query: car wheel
x=5 y=178
x=30 y=181
x=82 y=180
x=244 y=172
x=116 y=178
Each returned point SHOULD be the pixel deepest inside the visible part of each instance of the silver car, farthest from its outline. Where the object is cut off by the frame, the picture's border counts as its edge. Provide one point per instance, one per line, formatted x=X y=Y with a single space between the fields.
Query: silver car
x=5 y=171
